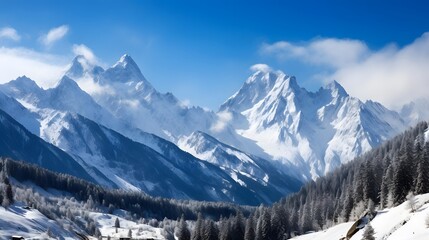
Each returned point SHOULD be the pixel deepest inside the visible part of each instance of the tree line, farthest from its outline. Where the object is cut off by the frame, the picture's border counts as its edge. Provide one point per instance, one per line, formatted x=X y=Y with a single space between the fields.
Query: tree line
x=139 y=203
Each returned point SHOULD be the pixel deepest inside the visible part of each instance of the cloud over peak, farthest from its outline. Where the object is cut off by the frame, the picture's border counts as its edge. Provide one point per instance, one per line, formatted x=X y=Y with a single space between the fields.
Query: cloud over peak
x=331 y=52
x=391 y=75
x=81 y=49
x=54 y=35
x=261 y=67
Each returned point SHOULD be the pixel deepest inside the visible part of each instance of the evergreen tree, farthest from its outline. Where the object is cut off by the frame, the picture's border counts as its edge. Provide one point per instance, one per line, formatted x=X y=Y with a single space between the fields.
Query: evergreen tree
x=249 y=233
x=196 y=233
x=7 y=192
x=237 y=227
x=279 y=222
x=369 y=183
x=225 y=230
x=386 y=187
x=403 y=176
x=422 y=180
x=130 y=233
x=266 y=225
x=348 y=206
x=368 y=234
x=182 y=230
x=117 y=224
x=210 y=231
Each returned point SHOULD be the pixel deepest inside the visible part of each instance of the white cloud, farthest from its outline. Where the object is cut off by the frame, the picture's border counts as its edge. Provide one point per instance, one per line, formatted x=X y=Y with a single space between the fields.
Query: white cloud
x=222 y=121
x=54 y=35
x=44 y=68
x=88 y=85
x=391 y=75
x=11 y=33
x=328 y=51
x=81 y=49
x=260 y=67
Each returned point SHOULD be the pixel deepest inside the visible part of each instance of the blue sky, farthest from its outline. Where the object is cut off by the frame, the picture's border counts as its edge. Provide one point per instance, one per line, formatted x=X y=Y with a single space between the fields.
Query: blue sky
x=202 y=50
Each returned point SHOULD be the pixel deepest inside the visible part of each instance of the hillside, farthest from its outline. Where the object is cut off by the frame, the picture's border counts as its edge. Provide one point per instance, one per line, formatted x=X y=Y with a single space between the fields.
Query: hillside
x=44 y=202
x=396 y=223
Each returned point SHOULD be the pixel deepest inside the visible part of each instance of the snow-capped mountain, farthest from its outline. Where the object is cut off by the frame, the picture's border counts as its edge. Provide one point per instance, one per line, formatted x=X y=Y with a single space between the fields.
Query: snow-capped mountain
x=262 y=143
x=70 y=119
x=271 y=117
x=132 y=165
x=130 y=97
x=312 y=131
x=415 y=111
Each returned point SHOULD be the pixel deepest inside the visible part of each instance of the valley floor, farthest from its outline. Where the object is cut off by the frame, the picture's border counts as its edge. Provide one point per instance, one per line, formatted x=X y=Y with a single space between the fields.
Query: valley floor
x=397 y=223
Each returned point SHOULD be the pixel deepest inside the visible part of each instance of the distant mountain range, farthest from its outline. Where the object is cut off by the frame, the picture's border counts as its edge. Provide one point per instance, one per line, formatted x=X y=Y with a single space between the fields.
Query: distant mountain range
x=111 y=126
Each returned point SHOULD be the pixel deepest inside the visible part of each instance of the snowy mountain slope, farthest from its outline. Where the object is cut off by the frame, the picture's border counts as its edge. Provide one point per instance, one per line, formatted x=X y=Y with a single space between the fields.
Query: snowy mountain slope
x=127 y=95
x=19 y=113
x=396 y=223
x=313 y=131
x=65 y=96
x=29 y=223
x=71 y=133
x=17 y=142
x=132 y=165
x=132 y=98
x=61 y=215
x=250 y=171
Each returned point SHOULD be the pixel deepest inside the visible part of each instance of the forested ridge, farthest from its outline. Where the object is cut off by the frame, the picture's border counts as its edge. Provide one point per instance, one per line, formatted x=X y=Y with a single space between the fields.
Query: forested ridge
x=140 y=204
x=380 y=178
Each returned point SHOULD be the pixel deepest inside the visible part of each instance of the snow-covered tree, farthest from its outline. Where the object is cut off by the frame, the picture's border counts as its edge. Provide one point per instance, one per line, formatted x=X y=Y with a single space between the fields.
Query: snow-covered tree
x=411 y=202
x=249 y=232
x=117 y=224
x=422 y=180
x=403 y=176
x=209 y=231
x=368 y=234
x=196 y=233
x=182 y=231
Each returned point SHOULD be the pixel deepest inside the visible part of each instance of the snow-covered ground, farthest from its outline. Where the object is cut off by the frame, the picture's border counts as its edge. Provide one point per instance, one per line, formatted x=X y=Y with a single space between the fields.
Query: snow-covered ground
x=397 y=223
x=29 y=223
x=106 y=223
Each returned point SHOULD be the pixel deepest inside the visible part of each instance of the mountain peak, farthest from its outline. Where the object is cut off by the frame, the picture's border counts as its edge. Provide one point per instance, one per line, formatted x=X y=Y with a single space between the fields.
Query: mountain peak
x=336 y=89
x=66 y=82
x=258 y=86
x=80 y=65
x=25 y=82
x=126 y=70
x=126 y=60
